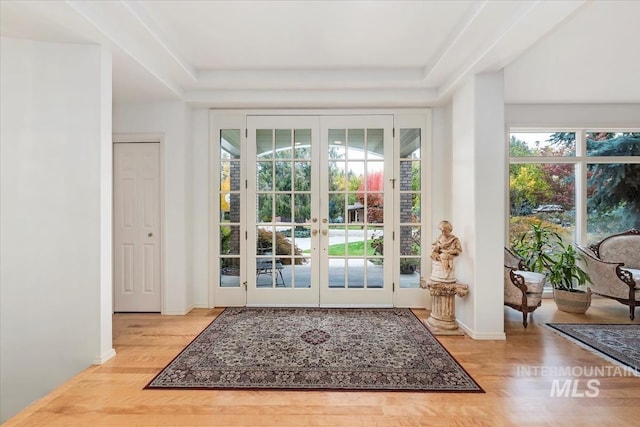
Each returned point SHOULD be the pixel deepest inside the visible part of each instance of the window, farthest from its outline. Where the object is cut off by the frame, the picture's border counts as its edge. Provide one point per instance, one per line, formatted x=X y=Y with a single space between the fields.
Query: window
x=583 y=182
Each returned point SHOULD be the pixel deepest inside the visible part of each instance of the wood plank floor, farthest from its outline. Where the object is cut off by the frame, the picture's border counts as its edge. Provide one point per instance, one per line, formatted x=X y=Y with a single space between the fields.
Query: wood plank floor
x=112 y=394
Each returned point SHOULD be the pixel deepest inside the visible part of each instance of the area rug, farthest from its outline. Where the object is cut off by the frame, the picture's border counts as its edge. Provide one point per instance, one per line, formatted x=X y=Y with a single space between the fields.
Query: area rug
x=316 y=349
x=618 y=342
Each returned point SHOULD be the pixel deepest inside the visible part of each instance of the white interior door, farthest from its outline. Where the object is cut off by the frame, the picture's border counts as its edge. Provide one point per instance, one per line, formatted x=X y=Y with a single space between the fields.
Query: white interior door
x=319 y=197
x=136 y=257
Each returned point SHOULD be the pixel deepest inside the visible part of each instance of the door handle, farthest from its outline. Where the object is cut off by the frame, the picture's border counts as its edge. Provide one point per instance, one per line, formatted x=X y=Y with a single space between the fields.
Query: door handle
x=324 y=232
x=150 y=234
x=314 y=232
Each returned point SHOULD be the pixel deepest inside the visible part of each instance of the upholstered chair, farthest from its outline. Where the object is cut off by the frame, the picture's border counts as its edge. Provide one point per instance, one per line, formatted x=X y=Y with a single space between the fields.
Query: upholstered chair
x=522 y=289
x=613 y=265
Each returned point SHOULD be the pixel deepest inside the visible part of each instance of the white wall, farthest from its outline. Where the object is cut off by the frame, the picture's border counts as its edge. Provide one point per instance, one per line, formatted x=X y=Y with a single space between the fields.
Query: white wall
x=171 y=120
x=52 y=111
x=478 y=161
x=603 y=115
x=200 y=165
x=592 y=57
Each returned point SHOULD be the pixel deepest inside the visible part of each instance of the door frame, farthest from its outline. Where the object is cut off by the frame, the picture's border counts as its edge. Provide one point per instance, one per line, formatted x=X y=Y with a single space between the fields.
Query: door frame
x=419 y=117
x=156 y=138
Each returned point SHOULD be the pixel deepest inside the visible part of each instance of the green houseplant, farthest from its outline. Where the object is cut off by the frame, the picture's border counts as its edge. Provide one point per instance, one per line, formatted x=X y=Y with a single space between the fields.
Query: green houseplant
x=543 y=250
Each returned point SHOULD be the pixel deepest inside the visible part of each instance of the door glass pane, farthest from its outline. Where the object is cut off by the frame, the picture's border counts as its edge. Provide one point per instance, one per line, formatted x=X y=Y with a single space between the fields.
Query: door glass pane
x=355 y=144
x=337 y=205
x=264 y=143
x=375 y=275
x=410 y=176
x=337 y=273
x=410 y=240
x=410 y=143
x=355 y=273
x=230 y=208
x=375 y=143
x=302 y=143
x=264 y=175
x=283 y=208
x=337 y=176
x=265 y=208
x=282 y=176
x=337 y=144
x=375 y=208
x=283 y=144
x=302 y=207
x=302 y=177
x=230 y=240
x=229 y=272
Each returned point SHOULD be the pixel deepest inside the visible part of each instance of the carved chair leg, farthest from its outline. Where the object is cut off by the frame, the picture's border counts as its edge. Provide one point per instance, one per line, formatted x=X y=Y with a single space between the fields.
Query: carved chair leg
x=632 y=311
x=524 y=317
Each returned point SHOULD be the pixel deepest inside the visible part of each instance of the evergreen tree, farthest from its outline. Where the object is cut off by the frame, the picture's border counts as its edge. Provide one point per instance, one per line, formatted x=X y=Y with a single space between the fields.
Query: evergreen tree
x=612 y=187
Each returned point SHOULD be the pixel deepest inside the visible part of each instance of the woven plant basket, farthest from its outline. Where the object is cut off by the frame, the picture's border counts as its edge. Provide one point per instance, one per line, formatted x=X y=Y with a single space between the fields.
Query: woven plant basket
x=572 y=302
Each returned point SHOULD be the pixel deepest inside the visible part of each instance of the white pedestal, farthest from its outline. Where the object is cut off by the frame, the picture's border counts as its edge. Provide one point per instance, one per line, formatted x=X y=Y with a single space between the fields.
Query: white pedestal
x=442 y=320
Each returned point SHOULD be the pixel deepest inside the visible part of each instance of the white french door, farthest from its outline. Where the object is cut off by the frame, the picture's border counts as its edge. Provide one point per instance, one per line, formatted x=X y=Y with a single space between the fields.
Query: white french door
x=319 y=205
x=356 y=210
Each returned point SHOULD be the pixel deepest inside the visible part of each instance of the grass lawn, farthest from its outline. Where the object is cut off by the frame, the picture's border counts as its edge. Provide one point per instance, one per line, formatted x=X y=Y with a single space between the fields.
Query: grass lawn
x=352 y=249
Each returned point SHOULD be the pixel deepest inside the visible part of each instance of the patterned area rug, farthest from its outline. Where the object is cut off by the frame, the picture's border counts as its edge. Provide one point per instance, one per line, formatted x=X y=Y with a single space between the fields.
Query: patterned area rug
x=316 y=349
x=620 y=343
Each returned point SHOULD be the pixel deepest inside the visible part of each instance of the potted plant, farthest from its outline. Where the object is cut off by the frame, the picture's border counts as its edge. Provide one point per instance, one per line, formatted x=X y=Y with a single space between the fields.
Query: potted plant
x=543 y=250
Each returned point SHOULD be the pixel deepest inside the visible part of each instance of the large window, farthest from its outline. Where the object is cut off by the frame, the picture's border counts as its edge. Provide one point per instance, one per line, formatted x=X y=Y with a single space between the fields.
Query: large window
x=583 y=182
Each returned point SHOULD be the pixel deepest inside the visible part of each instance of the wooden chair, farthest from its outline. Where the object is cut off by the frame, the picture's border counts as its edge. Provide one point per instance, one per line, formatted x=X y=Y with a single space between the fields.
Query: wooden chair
x=522 y=289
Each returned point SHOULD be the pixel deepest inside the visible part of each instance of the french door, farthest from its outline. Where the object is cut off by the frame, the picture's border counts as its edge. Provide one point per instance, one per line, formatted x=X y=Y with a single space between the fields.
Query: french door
x=319 y=204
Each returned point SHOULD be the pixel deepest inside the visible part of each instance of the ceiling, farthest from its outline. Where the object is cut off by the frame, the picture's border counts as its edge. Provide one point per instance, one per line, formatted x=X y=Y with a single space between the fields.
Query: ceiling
x=300 y=53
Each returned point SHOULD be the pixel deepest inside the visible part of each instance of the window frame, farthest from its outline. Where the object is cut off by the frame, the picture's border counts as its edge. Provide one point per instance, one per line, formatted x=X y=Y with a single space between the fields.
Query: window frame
x=580 y=160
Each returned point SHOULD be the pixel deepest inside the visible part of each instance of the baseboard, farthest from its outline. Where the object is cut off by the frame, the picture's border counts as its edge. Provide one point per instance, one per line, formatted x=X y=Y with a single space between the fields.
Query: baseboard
x=99 y=360
x=178 y=313
x=201 y=306
x=495 y=336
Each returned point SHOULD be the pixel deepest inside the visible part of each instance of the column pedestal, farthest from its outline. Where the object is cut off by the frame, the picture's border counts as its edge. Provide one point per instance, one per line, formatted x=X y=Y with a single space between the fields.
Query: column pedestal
x=442 y=320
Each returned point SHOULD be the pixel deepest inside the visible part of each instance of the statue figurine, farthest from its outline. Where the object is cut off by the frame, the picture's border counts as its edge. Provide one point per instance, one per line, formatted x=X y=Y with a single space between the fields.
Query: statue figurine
x=443 y=253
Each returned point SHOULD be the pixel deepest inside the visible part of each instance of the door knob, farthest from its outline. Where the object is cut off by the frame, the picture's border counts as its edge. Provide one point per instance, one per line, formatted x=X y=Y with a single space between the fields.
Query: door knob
x=324 y=232
x=314 y=232
x=150 y=234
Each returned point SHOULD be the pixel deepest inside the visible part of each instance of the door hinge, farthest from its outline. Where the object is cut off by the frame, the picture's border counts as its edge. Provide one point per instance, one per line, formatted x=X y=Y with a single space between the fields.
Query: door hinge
x=246 y=184
x=393 y=183
x=394 y=286
x=246 y=133
x=394 y=132
x=393 y=235
x=246 y=235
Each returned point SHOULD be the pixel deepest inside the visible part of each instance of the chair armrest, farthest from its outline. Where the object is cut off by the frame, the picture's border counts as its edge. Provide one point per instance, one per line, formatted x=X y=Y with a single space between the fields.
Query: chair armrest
x=514 y=286
x=607 y=278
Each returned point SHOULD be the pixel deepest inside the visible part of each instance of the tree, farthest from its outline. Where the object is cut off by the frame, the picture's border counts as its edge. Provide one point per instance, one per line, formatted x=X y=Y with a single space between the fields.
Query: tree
x=612 y=187
x=372 y=196
x=528 y=187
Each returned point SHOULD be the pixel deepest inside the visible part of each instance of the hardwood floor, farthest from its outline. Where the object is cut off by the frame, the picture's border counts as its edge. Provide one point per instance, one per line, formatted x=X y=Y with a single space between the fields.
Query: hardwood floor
x=112 y=394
